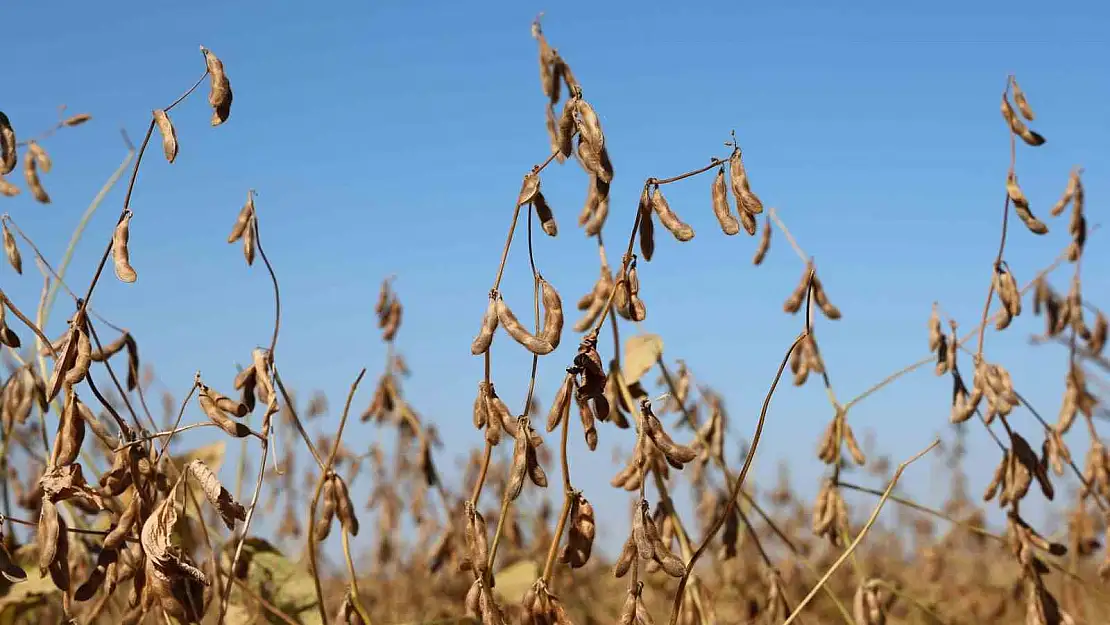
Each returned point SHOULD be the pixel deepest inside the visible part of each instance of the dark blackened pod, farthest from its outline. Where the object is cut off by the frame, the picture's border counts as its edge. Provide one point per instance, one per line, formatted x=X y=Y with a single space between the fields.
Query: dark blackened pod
x=647 y=227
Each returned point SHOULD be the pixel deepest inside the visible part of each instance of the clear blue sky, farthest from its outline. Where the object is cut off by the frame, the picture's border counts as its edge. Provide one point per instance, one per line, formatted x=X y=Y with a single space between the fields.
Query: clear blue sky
x=391 y=138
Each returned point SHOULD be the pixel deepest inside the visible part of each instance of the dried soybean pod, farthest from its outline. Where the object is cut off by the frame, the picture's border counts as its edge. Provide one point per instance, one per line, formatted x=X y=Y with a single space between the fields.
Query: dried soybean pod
x=747 y=219
x=553 y=315
x=71 y=434
x=647 y=227
x=76 y=120
x=668 y=217
x=248 y=242
x=31 y=174
x=1021 y=101
x=11 y=250
x=219 y=94
x=764 y=243
x=82 y=357
x=543 y=211
x=597 y=201
x=48 y=535
x=169 y=135
x=1021 y=206
x=243 y=220
x=593 y=160
x=323 y=524
x=8 y=155
x=746 y=201
x=567 y=127
x=1069 y=193
x=724 y=215
x=1017 y=126
x=560 y=406
x=590 y=127
x=344 y=508
x=482 y=342
x=42 y=159
x=516 y=330
x=120 y=254
x=8 y=189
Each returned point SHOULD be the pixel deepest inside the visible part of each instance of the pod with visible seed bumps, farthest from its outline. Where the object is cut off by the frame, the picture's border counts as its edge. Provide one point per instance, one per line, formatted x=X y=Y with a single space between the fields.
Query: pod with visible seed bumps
x=1017 y=126
x=721 y=209
x=546 y=217
x=746 y=200
x=169 y=135
x=120 y=254
x=11 y=250
x=481 y=343
x=764 y=243
x=219 y=94
x=668 y=217
x=31 y=175
x=8 y=155
x=1021 y=206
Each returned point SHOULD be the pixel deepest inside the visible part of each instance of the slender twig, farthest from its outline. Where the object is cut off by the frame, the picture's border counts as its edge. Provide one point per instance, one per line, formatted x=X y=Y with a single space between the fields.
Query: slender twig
x=325 y=475
x=719 y=522
x=863 y=532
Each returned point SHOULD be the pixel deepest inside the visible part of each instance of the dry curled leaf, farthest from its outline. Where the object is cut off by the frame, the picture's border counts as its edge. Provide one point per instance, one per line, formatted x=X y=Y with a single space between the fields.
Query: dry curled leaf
x=220 y=498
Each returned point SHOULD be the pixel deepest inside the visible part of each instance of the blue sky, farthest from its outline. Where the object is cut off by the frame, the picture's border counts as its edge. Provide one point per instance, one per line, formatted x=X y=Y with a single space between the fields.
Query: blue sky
x=391 y=137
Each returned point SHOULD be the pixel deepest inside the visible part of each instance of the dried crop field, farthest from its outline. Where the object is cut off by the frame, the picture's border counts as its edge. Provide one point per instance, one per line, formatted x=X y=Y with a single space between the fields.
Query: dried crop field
x=112 y=513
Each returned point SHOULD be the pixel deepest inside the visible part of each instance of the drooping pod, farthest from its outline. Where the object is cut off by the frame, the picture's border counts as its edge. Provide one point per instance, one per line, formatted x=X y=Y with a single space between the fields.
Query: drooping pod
x=764 y=243
x=31 y=175
x=169 y=135
x=546 y=217
x=219 y=94
x=647 y=227
x=746 y=200
x=552 y=330
x=668 y=217
x=243 y=220
x=721 y=209
x=1017 y=126
x=11 y=250
x=482 y=342
x=8 y=155
x=1021 y=206
x=120 y=254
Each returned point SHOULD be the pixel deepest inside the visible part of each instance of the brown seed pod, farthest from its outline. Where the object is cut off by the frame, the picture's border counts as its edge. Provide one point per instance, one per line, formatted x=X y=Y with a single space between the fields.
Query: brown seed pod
x=721 y=209
x=521 y=335
x=597 y=206
x=122 y=529
x=598 y=301
x=794 y=301
x=1021 y=206
x=8 y=189
x=1020 y=100
x=219 y=94
x=1017 y=126
x=589 y=427
x=481 y=343
x=327 y=513
x=248 y=241
x=169 y=135
x=746 y=201
x=71 y=434
x=47 y=535
x=8 y=155
x=344 y=507
x=1009 y=295
x=567 y=128
x=552 y=331
x=764 y=243
x=246 y=214
x=589 y=126
x=31 y=175
x=1069 y=193
x=668 y=217
x=76 y=120
x=42 y=159
x=7 y=335
x=546 y=217
x=82 y=356
x=518 y=468
x=1098 y=336
x=392 y=321
x=560 y=406
x=217 y=416
x=594 y=161
x=120 y=254
x=220 y=498
x=647 y=227
x=481 y=411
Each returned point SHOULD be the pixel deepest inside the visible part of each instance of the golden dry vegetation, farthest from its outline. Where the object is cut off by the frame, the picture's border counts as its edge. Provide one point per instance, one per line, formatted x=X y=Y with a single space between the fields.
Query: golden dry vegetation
x=121 y=530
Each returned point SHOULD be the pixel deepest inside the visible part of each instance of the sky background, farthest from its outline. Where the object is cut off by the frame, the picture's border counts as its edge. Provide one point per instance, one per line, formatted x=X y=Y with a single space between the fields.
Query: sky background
x=390 y=138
